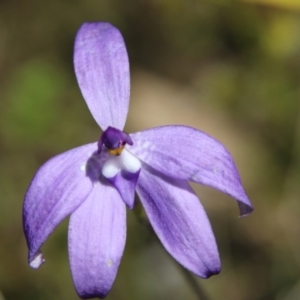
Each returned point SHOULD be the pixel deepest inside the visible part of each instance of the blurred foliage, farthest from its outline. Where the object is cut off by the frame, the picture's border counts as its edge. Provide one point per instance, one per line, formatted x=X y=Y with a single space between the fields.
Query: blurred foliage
x=32 y=107
x=285 y=4
x=229 y=67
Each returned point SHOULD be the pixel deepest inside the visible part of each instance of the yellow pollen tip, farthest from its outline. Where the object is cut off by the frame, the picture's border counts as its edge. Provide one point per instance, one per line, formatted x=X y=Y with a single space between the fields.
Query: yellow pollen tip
x=116 y=151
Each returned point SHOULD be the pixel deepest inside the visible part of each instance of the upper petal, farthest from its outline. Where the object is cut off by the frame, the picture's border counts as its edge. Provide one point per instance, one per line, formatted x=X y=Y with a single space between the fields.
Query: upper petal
x=57 y=189
x=186 y=153
x=180 y=222
x=102 y=71
x=97 y=233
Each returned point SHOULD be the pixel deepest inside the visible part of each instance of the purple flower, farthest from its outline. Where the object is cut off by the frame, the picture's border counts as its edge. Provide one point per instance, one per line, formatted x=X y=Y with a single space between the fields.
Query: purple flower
x=92 y=183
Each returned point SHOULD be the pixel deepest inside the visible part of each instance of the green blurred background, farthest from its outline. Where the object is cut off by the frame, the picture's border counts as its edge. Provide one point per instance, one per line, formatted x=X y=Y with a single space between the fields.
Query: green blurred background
x=229 y=68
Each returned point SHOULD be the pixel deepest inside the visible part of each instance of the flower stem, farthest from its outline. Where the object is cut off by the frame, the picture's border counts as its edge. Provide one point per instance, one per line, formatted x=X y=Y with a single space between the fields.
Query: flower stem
x=189 y=277
x=192 y=282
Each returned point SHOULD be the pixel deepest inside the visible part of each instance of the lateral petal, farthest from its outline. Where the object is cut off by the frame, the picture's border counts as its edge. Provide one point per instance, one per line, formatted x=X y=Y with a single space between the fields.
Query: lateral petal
x=188 y=154
x=56 y=190
x=97 y=234
x=179 y=221
x=102 y=71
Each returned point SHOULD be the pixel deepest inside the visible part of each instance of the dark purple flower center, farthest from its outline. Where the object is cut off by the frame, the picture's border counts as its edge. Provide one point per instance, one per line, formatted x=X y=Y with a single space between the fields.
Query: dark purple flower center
x=114 y=140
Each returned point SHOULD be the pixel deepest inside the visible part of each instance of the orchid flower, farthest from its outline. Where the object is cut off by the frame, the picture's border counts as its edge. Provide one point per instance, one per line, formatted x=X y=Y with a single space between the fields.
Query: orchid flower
x=94 y=183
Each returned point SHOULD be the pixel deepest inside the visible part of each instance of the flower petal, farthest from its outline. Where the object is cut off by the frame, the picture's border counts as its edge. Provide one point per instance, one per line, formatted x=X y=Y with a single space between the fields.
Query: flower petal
x=97 y=233
x=57 y=189
x=102 y=71
x=180 y=222
x=188 y=154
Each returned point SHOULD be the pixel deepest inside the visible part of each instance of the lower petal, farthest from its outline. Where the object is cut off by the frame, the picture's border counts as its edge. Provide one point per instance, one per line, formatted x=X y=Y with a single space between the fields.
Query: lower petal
x=180 y=222
x=97 y=233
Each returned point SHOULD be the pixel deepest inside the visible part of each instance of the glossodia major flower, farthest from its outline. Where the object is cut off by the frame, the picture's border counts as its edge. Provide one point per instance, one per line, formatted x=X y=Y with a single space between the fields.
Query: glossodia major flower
x=94 y=183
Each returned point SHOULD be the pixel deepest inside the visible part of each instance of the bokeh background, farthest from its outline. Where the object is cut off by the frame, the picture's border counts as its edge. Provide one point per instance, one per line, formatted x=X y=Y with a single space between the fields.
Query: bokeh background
x=230 y=68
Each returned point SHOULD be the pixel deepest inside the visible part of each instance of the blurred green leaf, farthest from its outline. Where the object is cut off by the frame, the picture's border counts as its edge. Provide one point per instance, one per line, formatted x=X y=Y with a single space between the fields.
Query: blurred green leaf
x=280 y=38
x=33 y=101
